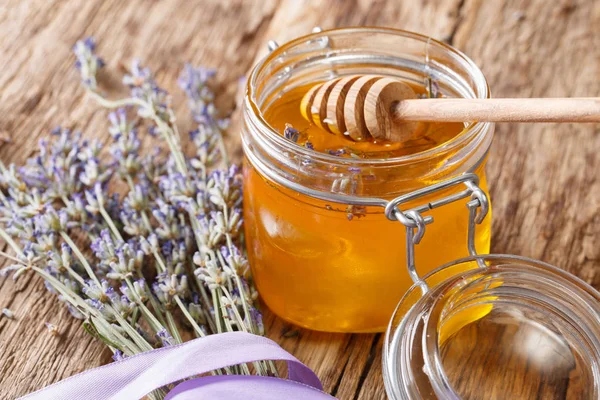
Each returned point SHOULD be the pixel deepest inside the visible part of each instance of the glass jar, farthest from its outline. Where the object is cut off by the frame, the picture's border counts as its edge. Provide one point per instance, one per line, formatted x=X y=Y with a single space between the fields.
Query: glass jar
x=323 y=251
x=495 y=327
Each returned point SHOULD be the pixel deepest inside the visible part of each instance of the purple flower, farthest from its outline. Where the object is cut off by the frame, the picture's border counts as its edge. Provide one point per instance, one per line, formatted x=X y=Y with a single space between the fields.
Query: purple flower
x=224 y=187
x=103 y=294
x=165 y=337
x=153 y=131
x=126 y=147
x=96 y=304
x=194 y=82
x=56 y=171
x=338 y=152
x=75 y=312
x=206 y=139
x=50 y=288
x=88 y=63
x=290 y=133
x=144 y=87
x=118 y=356
x=257 y=318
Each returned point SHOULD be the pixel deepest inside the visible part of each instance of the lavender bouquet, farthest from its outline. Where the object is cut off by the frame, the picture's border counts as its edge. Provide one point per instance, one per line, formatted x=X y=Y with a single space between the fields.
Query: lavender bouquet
x=143 y=269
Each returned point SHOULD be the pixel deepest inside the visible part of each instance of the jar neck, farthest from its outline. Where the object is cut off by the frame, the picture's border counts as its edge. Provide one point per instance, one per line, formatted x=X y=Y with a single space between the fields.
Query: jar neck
x=412 y=355
x=366 y=51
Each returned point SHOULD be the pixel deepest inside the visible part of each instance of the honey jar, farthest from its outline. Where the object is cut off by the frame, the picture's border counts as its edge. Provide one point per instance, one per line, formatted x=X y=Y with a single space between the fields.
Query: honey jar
x=321 y=224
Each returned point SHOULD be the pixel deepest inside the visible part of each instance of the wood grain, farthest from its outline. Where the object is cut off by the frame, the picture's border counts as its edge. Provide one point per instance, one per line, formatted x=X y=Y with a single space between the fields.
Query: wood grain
x=544 y=183
x=566 y=109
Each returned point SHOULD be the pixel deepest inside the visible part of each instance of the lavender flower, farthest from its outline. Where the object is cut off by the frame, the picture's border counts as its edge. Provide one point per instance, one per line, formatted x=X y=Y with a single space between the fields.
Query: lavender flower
x=224 y=188
x=51 y=220
x=76 y=210
x=126 y=147
x=93 y=173
x=258 y=320
x=165 y=337
x=433 y=88
x=179 y=221
x=88 y=63
x=338 y=152
x=60 y=262
x=118 y=356
x=290 y=133
x=235 y=264
x=168 y=219
x=211 y=274
x=178 y=188
x=150 y=244
x=56 y=171
x=75 y=313
x=207 y=144
x=156 y=101
x=137 y=199
x=119 y=126
x=127 y=264
x=123 y=306
x=103 y=294
x=133 y=223
x=209 y=234
x=139 y=292
x=194 y=81
x=169 y=286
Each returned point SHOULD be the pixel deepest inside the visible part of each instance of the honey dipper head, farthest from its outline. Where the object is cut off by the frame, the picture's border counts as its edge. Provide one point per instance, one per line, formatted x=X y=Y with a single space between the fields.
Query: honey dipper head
x=359 y=107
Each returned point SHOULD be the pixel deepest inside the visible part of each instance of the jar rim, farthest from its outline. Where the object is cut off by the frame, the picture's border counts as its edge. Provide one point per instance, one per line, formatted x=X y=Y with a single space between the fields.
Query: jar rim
x=472 y=129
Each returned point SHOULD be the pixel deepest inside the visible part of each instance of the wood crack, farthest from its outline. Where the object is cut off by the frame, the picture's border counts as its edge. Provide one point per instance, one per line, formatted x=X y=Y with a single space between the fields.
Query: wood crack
x=336 y=387
x=368 y=364
x=457 y=23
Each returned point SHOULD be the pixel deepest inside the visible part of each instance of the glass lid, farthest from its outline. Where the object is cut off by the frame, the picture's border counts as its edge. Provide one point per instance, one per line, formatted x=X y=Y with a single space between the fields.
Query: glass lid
x=495 y=327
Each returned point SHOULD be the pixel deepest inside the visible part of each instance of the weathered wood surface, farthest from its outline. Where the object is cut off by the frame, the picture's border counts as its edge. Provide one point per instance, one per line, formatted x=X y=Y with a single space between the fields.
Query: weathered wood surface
x=544 y=178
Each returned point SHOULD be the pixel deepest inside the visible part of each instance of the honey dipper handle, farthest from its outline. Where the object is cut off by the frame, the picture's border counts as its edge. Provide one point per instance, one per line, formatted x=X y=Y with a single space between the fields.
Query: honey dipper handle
x=500 y=110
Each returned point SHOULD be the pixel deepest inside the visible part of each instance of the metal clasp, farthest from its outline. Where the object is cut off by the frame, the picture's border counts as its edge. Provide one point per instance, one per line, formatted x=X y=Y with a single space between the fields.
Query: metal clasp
x=416 y=223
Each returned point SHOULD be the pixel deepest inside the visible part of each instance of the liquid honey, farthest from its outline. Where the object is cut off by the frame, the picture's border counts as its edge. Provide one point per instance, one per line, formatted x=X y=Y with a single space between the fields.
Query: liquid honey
x=323 y=267
x=285 y=111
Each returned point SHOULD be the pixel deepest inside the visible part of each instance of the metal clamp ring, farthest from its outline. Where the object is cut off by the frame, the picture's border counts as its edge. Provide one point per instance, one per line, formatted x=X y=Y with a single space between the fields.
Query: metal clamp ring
x=420 y=224
x=484 y=204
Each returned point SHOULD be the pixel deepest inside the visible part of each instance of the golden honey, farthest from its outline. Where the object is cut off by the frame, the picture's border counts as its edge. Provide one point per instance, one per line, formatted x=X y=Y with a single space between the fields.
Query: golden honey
x=286 y=111
x=326 y=266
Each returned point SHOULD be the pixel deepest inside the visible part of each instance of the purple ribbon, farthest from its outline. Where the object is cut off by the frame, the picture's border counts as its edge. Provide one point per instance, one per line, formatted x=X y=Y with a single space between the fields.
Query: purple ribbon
x=136 y=376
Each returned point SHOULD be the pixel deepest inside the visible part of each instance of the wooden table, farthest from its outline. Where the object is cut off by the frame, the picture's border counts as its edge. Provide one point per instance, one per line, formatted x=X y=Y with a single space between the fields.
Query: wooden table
x=544 y=178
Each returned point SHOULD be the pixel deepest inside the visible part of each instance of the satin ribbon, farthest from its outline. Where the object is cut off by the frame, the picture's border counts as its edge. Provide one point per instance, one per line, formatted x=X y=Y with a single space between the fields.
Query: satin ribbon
x=136 y=376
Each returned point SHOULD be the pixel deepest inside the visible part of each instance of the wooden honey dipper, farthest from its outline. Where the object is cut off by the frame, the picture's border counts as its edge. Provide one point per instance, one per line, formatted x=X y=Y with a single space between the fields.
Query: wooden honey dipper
x=359 y=106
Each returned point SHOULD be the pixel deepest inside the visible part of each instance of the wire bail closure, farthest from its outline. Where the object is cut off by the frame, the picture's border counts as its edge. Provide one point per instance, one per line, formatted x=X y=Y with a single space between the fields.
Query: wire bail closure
x=415 y=222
